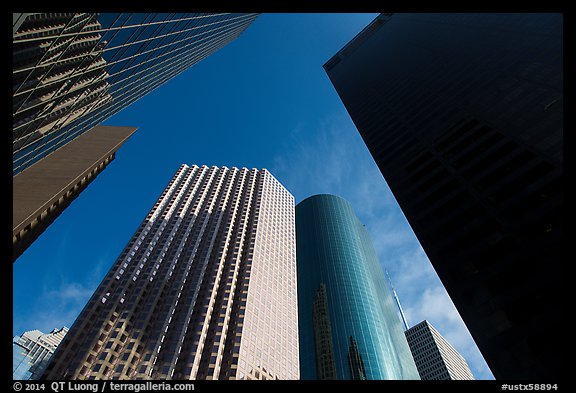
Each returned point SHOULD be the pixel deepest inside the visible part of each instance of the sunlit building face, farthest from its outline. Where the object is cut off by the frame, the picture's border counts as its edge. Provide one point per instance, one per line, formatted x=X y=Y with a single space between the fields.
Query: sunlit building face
x=205 y=289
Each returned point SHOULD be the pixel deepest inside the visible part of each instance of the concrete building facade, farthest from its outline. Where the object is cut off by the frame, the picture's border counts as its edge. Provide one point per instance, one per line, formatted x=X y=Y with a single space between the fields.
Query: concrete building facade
x=205 y=289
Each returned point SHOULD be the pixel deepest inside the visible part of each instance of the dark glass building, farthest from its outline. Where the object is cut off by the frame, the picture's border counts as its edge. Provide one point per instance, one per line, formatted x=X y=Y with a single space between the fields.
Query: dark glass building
x=350 y=328
x=71 y=71
x=463 y=115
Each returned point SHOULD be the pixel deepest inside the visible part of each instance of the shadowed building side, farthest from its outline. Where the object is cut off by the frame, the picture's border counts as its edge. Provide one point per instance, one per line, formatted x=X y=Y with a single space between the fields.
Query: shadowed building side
x=463 y=113
x=42 y=192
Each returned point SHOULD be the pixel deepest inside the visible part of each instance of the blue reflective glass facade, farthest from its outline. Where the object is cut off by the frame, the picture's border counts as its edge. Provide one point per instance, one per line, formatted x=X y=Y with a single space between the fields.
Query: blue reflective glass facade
x=28 y=363
x=348 y=322
x=21 y=363
x=72 y=71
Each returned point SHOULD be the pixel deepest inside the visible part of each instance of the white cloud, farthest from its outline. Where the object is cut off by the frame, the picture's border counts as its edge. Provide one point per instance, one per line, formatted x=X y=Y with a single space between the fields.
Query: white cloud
x=70 y=292
x=60 y=304
x=435 y=306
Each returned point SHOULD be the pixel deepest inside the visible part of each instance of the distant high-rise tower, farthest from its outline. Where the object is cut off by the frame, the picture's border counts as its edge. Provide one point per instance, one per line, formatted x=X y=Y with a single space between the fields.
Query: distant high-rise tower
x=32 y=350
x=349 y=324
x=71 y=71
x=205 y=289
x=434 y=356
x=463 y=115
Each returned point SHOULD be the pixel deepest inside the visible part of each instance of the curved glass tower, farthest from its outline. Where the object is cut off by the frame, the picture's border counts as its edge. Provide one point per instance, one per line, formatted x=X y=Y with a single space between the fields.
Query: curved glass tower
x=348 y=322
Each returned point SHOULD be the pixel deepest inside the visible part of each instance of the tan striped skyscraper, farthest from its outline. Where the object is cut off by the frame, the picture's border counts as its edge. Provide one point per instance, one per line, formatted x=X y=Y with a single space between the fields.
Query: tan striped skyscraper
x=205 y=289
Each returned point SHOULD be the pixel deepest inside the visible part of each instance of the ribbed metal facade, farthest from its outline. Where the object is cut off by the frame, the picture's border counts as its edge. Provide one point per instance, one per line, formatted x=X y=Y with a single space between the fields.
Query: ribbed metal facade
x=71 y=71
x=205 y=289
x=349 y=325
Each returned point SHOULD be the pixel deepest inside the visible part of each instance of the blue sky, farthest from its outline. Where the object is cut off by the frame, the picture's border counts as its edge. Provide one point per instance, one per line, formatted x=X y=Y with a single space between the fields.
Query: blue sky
x=263 y=101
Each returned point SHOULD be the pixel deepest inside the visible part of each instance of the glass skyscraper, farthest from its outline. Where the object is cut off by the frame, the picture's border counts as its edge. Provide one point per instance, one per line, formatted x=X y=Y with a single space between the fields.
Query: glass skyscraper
x=205 y=289
x=71 y=71
x=463 y=114
x=31 y=352
x=349 y=324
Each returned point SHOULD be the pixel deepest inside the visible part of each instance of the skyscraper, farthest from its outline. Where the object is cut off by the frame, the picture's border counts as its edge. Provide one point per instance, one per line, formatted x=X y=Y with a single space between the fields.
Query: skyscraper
x=434 y=356
x=348 y=321
x=463 y=115
x=205 y=289
x=31 y=352
x=42 y=192
x=71 y=71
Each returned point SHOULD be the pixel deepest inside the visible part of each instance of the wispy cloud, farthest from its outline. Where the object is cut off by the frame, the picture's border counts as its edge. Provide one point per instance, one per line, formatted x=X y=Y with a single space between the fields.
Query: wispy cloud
x=334 y=159
x=435 y=306
x=60 y=302
x=60 y=306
